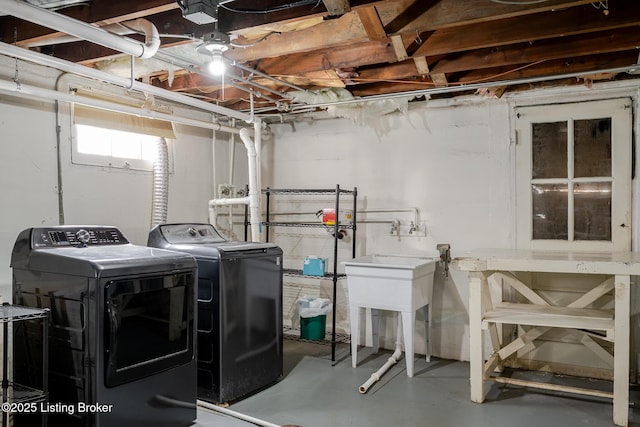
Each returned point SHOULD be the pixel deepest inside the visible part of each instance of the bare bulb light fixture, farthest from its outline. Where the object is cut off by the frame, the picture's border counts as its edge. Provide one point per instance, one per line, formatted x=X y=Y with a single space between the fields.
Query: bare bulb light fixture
x=215 y=44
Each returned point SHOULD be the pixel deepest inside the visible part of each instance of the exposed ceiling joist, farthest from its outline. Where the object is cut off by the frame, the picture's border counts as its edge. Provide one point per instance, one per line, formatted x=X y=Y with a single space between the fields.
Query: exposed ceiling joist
x=372 y=24
x=337 y=7
x=368 y=47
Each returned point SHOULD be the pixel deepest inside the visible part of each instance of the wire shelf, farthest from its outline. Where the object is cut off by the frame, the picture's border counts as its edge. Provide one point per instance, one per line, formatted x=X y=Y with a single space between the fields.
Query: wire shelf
x=13 y=313
x=294 y=335
x=306 y=224
x=326 y=192
x=18 y=393
x=298 y=273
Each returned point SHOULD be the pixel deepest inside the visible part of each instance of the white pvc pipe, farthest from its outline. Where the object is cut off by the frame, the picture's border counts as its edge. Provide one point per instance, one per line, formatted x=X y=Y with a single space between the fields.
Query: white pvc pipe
x=254 y=189
x=21 y=89
x=390 y=362
x=70 y=67
x=85 y=31
x=235 y=414
x=253 y=199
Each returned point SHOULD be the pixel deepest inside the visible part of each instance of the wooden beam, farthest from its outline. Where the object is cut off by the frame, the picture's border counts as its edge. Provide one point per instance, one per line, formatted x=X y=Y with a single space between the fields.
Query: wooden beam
x=422 y=67
x=398 y=47
x=439 y=79
x=526 y=29
x=337 y=7
x=585 y=65
x=349 y=29
x=98 y=13
x=372 y=24
x=359 y=54
x=529 y=52
x=427 y=15
x=230 y=21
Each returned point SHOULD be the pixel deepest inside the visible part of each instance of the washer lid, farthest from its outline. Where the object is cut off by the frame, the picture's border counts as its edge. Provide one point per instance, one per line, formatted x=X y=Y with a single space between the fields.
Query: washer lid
x=35 y=250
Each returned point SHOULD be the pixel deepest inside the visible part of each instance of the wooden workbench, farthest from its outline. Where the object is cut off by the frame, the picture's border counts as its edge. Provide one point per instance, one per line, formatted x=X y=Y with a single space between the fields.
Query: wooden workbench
x=540 y=315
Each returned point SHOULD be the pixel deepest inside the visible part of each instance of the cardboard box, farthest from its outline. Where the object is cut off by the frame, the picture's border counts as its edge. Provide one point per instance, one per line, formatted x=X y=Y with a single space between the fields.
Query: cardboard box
x=314 y=266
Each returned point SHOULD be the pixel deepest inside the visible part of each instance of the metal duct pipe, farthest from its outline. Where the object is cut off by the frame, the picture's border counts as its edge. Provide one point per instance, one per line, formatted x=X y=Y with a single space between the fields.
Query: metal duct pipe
x=85 y=31
x=70 y=67
x=160 y=193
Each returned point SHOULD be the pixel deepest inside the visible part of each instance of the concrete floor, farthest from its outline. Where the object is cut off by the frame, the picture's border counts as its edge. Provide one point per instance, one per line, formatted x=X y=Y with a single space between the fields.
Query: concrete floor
x=313 y=393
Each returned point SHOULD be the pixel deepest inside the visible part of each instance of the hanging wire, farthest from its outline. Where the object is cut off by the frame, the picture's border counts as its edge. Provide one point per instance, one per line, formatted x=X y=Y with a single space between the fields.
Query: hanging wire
x=512 y=2
x=16 y=78
x=273 y=9
x=601 y=5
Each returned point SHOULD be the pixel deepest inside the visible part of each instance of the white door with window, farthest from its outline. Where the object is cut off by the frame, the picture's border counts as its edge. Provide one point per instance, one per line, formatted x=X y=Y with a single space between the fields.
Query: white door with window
x=573 y=176
x=573 y=182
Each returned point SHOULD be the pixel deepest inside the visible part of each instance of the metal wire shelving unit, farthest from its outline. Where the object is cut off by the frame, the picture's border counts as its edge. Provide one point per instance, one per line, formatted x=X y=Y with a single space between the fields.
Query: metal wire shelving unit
x=14 y=394
x=336 y=228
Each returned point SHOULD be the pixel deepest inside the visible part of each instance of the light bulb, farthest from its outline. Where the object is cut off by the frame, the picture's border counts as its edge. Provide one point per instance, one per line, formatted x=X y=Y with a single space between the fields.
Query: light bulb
x=216 y=65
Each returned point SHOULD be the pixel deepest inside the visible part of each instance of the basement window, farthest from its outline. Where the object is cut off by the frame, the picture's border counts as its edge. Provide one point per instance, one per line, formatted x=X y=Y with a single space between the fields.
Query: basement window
x=117 y=140
x=113 y=148
x=574 y=176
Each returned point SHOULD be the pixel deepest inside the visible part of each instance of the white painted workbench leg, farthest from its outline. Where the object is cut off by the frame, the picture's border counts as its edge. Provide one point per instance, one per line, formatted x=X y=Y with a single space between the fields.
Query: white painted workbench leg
x=621 y=351
x=354 y=312
x=408 y=330
x=476 y=335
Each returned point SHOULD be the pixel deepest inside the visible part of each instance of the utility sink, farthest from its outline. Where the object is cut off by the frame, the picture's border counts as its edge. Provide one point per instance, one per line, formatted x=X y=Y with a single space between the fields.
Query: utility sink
x=390 y=282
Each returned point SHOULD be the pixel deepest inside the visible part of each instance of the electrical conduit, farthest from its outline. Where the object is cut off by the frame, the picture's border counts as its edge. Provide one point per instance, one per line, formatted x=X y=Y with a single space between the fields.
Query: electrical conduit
x=85 y=31
x=375 y=377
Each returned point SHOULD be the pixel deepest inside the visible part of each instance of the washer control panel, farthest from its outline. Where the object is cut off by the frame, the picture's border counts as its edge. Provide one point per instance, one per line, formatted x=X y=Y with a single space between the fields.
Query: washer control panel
x=77 y=236
x=190 y=233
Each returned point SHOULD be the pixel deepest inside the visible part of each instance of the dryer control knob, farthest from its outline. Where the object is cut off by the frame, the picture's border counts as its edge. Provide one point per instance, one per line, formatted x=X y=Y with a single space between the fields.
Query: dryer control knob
x=83 y=236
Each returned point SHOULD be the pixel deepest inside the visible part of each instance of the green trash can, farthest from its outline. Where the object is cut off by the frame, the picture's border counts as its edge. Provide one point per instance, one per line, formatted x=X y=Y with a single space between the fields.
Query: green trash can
x=313 y=317
x=313 y=328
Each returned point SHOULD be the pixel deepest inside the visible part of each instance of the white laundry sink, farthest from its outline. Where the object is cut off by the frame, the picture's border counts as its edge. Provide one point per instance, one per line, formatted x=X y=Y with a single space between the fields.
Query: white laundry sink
x=390 y=282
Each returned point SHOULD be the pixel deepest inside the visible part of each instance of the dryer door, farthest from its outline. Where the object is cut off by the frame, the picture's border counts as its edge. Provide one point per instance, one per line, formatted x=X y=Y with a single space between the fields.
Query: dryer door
x=149 y=325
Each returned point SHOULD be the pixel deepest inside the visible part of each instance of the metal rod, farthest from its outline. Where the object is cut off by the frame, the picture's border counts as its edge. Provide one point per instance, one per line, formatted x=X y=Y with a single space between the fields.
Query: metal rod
x=267 y=215
x=246 y=216
x=267 y=76
x=355 y=221
x=335 y=274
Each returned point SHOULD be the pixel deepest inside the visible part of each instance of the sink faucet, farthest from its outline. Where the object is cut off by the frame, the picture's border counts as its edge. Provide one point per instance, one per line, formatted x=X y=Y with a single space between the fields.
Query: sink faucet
x=412 y=227
x=395 y=227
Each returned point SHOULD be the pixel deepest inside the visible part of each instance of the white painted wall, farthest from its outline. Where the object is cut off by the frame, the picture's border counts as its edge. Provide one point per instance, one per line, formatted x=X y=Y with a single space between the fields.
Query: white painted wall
x=451 y=162
x=91 y=195
x=450 y=159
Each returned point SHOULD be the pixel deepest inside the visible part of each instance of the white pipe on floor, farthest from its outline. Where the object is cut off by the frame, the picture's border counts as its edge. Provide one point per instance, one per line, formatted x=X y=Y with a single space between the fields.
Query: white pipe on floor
x=390 y=362
x=253 y=420
x=85 y=31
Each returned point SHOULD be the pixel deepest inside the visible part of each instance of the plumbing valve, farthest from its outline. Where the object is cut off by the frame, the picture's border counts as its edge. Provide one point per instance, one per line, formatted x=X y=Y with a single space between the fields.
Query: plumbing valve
x=412 y=227
x=445 y=257
x=395 y=227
